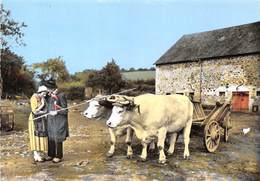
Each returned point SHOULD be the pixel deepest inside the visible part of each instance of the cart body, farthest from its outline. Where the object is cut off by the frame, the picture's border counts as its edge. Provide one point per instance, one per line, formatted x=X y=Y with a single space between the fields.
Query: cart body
x=6 y=118
x=215 y=124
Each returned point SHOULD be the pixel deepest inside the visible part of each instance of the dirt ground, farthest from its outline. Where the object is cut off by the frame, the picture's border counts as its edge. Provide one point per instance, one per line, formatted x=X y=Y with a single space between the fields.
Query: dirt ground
x=85 y=155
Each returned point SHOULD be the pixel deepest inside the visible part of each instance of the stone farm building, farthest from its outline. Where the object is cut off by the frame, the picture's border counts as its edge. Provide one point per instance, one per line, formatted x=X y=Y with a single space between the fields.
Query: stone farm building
x=223 y=63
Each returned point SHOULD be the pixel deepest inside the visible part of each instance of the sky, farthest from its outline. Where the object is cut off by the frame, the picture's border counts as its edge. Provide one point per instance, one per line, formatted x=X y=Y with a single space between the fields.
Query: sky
x=135 y=33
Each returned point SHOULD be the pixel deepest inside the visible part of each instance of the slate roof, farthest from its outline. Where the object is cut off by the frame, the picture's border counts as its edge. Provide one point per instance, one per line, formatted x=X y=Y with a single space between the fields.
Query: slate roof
x=226 y=42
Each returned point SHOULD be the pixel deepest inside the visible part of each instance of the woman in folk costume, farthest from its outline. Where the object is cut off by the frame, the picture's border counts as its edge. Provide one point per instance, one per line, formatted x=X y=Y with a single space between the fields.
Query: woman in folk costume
x=38 y=127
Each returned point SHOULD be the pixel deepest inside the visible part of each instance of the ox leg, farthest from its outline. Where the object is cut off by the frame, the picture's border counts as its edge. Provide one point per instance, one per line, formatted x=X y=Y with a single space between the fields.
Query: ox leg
x=113 y=143
x=173 y=138
x=144 y=151
x=186 y=136
x=129 y=136
x=161 y=140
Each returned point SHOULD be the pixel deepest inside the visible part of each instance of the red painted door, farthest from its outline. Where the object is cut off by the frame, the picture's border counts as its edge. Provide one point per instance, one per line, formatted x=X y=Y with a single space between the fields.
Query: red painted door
x=240 y=101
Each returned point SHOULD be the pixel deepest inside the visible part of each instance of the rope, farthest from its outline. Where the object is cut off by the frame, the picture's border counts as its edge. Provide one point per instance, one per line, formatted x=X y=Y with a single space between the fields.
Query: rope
x=85 y=102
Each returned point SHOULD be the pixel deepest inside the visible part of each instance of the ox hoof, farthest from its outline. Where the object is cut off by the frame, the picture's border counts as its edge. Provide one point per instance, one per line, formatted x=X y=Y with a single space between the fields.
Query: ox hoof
x=186 y=154
x=169 y=153
x=186 y=157
x=129 y=156
x=140 y=159
x=109 y=155
x=162 y=161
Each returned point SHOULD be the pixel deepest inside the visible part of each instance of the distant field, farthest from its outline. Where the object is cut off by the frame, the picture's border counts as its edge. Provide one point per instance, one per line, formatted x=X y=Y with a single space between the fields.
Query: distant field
x=138 y=75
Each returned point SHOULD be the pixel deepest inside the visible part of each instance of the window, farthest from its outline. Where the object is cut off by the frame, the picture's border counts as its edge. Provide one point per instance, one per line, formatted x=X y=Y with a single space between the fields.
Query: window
x=168 y=93
x=180 y=93
x=222 y=93
x=257 y=93
x=255 y=108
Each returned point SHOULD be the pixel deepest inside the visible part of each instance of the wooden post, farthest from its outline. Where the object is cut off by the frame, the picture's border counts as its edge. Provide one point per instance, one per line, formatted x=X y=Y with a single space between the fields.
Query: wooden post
x=1 y=82
x=200 y=62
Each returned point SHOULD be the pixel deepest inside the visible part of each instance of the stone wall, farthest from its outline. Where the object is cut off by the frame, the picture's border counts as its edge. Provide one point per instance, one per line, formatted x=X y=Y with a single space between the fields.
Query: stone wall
x=213 y=76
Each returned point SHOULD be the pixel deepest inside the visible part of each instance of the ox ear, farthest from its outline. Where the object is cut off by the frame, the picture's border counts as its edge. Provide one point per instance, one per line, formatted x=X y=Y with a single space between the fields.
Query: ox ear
x=133 y=107
x=137 y=108
x=105 y=103
x=117 y=104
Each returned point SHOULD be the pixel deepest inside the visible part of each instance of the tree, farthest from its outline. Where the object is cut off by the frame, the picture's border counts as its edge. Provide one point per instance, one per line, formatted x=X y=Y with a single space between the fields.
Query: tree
x=11 y=33
x=108 y=78
x=82 y=76
x=142 y=69
x=95 y=80
x=123 y=70
x=131 y=69
x=17 y=78
x=112 y=78
x=11 y=30
x=152 y=68
x=53 y=68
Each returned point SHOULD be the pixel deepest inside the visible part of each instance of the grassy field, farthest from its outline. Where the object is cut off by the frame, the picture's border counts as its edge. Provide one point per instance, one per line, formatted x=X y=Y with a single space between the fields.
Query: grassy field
x=139 y=75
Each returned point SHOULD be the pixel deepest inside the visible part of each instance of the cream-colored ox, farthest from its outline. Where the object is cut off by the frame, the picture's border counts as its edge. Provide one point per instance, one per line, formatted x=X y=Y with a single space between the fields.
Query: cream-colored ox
x=101 y=108
x=153 y=116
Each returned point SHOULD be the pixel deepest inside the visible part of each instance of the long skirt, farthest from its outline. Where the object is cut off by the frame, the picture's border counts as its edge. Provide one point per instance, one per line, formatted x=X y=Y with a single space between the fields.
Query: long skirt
x=36 y=143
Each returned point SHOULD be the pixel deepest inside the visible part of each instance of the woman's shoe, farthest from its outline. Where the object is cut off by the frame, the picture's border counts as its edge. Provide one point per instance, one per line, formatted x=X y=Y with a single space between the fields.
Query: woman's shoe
x=56 y=160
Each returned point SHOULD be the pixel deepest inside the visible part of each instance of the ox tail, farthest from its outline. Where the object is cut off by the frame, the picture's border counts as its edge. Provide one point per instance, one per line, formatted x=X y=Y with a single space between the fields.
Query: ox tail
x=190 y=112
x=187 y=130
x=189 y=116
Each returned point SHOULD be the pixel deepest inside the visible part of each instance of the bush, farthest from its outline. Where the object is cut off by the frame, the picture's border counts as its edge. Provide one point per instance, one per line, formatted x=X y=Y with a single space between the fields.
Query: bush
x=73 y=90
x=142 y=87
x=108 y=78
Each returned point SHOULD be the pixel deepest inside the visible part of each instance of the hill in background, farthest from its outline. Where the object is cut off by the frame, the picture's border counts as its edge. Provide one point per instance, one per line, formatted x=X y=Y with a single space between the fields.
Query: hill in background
x=138 y=75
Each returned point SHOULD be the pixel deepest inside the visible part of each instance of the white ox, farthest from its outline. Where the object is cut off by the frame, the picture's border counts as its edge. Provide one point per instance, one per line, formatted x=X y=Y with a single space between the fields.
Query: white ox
x=153 y=116
x=103 y=108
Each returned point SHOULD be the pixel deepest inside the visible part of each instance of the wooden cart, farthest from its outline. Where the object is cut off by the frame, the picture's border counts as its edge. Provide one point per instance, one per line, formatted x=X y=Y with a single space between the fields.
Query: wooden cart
x=215 y=124
x=6 y=118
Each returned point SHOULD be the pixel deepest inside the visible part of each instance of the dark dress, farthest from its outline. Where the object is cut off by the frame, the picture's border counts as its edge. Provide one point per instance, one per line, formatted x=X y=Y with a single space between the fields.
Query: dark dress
x=58 y=129
x=41 y=123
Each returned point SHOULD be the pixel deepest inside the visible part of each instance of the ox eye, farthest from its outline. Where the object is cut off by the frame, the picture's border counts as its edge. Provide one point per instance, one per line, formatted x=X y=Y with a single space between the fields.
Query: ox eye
x=120 y=111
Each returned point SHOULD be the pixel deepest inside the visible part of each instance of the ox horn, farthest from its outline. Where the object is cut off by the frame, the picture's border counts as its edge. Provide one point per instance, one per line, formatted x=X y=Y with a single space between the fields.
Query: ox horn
x=123 y=100
x=126 y=101
x=113 y=98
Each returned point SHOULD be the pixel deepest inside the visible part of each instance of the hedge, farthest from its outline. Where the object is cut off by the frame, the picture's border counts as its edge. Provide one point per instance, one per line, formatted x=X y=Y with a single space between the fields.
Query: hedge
x=73 y=90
